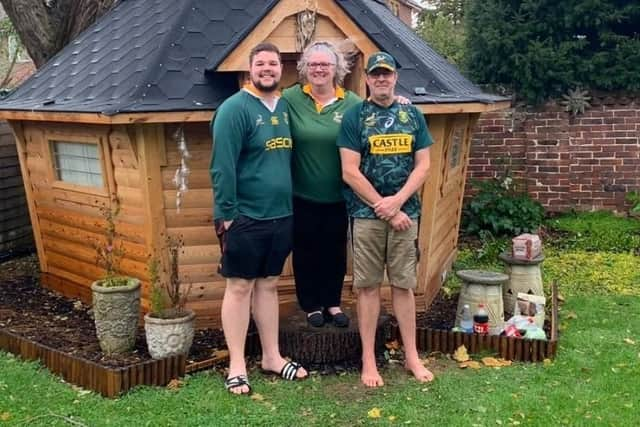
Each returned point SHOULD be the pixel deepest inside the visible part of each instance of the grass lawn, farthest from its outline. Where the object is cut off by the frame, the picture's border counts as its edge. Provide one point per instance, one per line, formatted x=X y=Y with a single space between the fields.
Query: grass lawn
x=593 y=380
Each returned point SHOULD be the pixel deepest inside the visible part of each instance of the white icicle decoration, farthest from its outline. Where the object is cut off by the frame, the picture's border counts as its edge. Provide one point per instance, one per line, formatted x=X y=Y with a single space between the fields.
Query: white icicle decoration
x=181 y=177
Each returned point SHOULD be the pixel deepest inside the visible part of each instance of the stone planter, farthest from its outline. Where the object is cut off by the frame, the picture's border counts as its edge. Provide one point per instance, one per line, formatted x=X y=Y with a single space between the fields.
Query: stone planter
x=116 y=311
x=169 y=337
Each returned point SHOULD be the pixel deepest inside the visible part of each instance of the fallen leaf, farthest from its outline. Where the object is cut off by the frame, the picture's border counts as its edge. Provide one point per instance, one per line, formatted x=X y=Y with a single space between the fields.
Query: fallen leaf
x=374 y=413
x=392 y=418
x=257 y=397
x=547 y=362
x=174 y=384
x=470 y=364
x=571 y=315
x=393 y=345
x=629 y=341
x=495 y=363
x=5 y=416
x=461 y=355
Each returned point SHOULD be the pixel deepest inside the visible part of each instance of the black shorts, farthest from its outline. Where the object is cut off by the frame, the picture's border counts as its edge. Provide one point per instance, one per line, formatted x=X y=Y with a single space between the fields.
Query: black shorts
x=253 y=248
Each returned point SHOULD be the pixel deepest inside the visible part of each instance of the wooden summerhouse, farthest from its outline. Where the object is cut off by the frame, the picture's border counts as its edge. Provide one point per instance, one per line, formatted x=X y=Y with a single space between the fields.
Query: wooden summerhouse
x=116 y=110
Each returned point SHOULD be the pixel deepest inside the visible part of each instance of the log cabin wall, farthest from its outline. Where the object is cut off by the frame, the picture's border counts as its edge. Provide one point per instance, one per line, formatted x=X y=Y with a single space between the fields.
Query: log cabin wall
x=442 y=197
x=66 y=218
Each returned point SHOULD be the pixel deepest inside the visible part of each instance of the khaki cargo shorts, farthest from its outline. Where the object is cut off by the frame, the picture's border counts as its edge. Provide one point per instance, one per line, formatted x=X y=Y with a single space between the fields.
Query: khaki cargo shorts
x=375 y=244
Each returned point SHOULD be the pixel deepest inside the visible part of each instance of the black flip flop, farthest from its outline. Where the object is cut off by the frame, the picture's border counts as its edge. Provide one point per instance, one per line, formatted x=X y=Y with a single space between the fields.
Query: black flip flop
x=235 y=382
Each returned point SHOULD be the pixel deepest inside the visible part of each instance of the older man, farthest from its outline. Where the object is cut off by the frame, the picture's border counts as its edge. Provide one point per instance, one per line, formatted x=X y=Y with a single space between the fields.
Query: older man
x=385 y=160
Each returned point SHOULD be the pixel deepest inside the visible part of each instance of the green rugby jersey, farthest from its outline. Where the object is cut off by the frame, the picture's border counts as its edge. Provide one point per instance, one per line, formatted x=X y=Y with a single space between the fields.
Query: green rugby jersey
x=316 y=170
x=251 y=159
x=386 y=138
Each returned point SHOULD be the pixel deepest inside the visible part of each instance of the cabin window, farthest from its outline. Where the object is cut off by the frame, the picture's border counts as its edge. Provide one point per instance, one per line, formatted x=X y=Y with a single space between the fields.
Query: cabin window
x=77 y=163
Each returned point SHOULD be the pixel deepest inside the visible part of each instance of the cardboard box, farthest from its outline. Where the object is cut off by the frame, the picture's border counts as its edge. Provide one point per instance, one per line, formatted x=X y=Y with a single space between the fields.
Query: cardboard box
x=526 y=247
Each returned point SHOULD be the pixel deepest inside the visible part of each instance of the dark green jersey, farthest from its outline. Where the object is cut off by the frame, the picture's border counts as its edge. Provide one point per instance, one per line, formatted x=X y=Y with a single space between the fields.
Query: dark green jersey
x=387 y=139
x=316 y=170
x=251 y=159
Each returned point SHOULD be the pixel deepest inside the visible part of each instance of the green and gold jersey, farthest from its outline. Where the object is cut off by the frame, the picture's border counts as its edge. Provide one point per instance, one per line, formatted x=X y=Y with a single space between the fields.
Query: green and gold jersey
x=251 y=159
x=387 y=139
x=316 y=171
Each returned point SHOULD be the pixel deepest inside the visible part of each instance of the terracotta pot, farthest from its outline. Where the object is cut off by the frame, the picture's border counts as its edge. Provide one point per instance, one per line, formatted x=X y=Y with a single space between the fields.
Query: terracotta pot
x=169 y=337
x=116 y=311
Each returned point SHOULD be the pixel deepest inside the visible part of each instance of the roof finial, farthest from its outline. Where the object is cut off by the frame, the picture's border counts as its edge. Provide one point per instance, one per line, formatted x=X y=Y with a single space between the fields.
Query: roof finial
x=306 y=24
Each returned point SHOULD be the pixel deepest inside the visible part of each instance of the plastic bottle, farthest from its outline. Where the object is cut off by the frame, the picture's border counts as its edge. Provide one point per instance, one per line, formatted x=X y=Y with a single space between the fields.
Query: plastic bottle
x=481 y=321
x=466 y=324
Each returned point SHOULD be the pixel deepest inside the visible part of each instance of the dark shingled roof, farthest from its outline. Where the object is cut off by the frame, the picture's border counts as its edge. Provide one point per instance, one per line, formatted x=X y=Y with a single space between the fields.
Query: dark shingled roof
x=152 y=56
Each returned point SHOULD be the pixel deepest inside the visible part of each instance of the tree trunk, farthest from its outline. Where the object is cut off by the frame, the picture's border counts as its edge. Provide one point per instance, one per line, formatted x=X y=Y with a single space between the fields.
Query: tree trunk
x=46 y=26
x=319 y=347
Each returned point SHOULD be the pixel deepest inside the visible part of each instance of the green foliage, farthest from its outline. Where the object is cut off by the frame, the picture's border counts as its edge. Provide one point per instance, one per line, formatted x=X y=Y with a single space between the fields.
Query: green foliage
x=595 y=231
x=633 y=197
x=442 y=26
x=444 y=36
x=499 y=209
x=542 y=48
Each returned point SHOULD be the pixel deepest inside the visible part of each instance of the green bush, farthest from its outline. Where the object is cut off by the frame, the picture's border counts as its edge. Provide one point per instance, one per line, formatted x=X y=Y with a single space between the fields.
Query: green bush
x=543 y=48
x=500 y=210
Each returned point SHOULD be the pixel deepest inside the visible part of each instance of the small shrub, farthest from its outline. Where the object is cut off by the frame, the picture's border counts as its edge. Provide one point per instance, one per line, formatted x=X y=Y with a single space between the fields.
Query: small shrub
x=633 y=197
x=110 y=253
x=168 y=298
x=500 y=209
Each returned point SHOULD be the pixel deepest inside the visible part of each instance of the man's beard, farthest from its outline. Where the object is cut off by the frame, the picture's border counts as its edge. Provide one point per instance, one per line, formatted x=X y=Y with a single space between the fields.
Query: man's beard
x=266 y=89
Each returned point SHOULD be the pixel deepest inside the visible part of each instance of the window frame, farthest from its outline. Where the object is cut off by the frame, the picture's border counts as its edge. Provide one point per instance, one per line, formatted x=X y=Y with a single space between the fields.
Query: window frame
x=104 y=154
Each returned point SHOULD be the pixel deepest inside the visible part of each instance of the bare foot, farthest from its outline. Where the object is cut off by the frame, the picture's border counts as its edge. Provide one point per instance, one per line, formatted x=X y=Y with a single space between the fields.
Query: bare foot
x=418 y=370
x=276 y=366
x=370 y=376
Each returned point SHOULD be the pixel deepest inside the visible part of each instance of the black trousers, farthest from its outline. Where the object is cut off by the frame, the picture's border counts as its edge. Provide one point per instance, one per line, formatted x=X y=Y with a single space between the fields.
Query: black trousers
x=319 y=252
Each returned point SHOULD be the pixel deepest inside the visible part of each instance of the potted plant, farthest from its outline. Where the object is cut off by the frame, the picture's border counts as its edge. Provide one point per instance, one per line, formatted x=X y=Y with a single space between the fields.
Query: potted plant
x=169 y=325
x=116 y=298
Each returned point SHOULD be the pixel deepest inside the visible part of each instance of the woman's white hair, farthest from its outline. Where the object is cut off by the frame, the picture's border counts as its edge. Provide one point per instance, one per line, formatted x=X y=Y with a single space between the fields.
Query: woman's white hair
x=342 y=67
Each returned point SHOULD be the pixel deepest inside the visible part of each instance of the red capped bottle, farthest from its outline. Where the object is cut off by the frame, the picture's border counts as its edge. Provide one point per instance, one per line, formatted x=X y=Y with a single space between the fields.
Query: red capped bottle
x=481 y=321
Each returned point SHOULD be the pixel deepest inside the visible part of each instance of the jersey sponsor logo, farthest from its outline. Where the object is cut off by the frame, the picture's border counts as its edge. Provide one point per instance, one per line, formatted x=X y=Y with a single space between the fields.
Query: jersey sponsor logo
x=393 y=143
x=403 y=116
x=275 y=121
x=259 y=120
x=389 y=122
x=337 y=117
x=281 y=142
x=370 y=121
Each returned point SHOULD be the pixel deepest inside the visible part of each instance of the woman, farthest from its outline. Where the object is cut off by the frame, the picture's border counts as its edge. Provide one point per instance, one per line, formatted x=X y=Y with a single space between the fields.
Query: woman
x=316 y=108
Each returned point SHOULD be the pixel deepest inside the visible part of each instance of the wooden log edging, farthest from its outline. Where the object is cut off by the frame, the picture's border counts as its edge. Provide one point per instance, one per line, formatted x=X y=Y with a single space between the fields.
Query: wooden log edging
x=509 y=348
x=109 y=382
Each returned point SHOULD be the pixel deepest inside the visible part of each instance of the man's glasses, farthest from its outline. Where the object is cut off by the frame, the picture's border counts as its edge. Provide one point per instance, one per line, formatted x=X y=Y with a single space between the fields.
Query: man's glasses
x=320 y=65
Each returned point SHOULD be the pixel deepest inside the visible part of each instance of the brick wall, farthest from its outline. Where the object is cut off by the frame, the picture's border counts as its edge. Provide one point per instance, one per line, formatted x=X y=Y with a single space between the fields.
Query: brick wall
x=584 y=162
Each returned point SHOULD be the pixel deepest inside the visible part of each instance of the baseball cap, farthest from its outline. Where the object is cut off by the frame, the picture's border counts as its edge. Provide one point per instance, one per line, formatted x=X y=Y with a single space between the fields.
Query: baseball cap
x=381 y=60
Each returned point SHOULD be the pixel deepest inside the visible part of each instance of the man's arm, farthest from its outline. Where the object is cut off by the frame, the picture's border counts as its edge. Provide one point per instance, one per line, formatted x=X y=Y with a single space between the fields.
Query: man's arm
x=388 y=207
x=355 y=179
x=227 y=144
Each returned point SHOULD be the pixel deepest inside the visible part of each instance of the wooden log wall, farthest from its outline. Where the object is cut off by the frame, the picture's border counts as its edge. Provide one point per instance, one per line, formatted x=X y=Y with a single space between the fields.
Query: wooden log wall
x=442 y=197
x=68 y=222
x=15 y=227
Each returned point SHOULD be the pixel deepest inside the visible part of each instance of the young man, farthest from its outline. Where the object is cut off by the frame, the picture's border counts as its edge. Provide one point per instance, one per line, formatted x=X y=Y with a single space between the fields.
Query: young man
x=251 y=175
x=385 y=160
